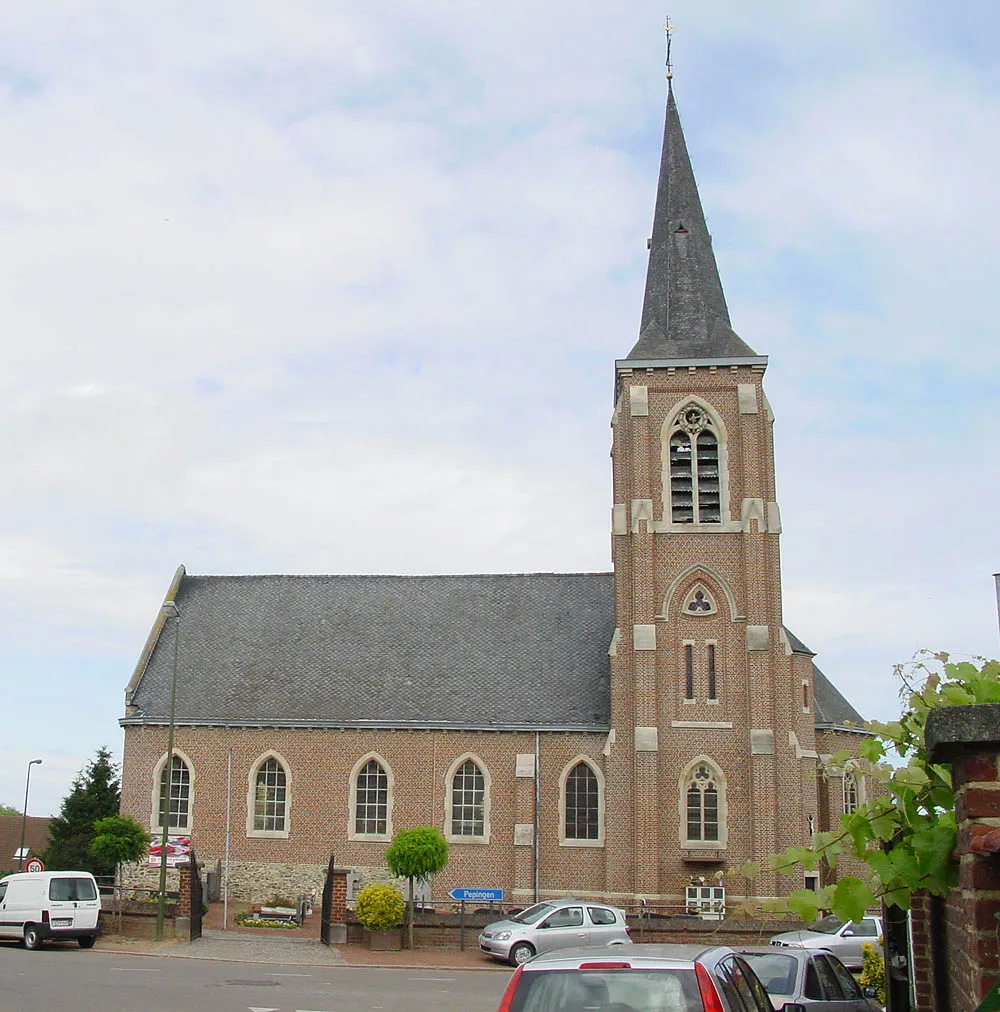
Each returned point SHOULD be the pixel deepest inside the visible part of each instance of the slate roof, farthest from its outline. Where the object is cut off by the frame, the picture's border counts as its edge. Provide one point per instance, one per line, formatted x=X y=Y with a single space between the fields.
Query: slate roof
x=503 y=651
x=831 y=708
x=495 y=651
x=684 y=312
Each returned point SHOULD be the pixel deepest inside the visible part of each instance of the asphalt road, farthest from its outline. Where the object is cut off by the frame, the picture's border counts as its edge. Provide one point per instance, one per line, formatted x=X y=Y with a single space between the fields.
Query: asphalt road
x=59 y=977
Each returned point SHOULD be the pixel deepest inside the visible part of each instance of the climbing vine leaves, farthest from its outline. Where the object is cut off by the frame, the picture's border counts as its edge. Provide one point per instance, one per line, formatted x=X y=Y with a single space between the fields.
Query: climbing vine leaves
x=904 y=832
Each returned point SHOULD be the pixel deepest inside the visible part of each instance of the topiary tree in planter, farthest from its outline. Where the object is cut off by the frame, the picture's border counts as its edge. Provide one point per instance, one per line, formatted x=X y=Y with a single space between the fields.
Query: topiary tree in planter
x=379 y=907
x=414 y=854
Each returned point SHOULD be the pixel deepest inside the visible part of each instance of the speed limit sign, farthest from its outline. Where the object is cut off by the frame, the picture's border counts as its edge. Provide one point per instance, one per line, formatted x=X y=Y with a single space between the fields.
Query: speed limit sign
x=35 y=864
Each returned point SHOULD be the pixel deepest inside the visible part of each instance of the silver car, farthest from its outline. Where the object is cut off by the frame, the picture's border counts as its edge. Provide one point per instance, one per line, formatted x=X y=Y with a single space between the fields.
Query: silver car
x=810 y=977
x=843 y=938
x=554 y=924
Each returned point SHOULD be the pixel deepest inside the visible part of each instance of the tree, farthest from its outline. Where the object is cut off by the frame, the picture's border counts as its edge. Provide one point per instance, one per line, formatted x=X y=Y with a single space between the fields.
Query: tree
x=7 y=810
x=117 y=840
x=905 y=834
x=416 y=854
x=95 y=795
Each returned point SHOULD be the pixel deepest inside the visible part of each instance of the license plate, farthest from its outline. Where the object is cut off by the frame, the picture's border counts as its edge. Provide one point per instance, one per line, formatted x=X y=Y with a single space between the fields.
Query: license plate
x=61 y=922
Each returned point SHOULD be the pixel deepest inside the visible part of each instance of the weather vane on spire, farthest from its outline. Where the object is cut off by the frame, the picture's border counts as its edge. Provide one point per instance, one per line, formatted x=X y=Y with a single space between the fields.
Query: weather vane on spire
x=669 y=29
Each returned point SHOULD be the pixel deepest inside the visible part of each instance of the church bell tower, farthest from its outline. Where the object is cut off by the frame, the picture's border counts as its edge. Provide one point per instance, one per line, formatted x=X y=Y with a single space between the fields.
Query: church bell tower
x=710 y=700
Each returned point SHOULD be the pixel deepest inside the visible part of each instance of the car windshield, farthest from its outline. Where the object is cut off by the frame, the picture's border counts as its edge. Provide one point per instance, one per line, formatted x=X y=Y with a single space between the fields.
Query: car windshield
x=775 y=970
x=828 y=925
x=673 y=990
x=72 y=889
x=533 y=914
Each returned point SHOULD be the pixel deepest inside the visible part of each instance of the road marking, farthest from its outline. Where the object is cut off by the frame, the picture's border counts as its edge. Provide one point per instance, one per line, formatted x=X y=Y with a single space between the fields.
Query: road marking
x=258 y=1008
x=290 y=975
x=134 y=969
x=432 y=978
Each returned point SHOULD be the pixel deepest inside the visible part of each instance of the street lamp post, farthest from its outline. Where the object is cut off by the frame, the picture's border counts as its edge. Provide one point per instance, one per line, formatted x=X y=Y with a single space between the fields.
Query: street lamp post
x=169 y=610
x=24 y=816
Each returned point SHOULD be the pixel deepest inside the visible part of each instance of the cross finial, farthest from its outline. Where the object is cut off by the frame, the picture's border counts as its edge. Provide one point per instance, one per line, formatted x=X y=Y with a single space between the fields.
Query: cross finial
x=669 y=29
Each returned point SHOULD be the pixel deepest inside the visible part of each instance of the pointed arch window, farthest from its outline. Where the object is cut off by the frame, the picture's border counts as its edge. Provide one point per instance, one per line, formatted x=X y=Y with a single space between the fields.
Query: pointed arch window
x=695 y=476
x=703 y=805
x=270 y=798
x=468 y=800
x=371 y=800
x=850 y=794
x=175 y=794
x=582 y=804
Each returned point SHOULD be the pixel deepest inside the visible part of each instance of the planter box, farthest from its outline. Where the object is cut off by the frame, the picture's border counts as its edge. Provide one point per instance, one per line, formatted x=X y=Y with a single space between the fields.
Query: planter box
x=385 y=941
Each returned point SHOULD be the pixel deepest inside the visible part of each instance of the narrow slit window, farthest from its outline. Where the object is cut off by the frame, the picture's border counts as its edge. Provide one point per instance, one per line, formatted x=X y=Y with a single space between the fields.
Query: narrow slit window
x=688 y=671
x=805 y=696
x=712 y=689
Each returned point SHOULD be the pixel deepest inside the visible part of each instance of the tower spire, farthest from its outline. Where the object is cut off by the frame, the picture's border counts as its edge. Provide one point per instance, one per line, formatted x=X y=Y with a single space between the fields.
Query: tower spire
x=684 y=313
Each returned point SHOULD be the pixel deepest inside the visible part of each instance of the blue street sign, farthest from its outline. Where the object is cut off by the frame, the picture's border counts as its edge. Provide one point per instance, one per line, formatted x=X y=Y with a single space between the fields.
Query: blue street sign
x=477 y=895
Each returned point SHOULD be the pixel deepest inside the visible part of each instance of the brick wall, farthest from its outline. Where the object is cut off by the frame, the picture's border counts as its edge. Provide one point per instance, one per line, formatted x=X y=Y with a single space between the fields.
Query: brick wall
x=955 y=958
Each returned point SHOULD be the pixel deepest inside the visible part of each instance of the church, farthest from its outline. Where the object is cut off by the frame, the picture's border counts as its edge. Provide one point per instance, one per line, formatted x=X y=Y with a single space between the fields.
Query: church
x=633 y=734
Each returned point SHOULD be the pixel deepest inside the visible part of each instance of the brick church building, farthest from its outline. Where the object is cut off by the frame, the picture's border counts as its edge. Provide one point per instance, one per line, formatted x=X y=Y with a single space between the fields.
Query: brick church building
x=617 y=735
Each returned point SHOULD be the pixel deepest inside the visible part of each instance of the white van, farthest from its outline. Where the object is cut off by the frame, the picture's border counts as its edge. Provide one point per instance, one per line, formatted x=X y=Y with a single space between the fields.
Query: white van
x=35 y=906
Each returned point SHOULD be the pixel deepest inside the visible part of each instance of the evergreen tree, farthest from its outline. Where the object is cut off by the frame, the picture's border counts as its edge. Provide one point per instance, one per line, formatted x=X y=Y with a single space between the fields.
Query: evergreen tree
x=95 y=795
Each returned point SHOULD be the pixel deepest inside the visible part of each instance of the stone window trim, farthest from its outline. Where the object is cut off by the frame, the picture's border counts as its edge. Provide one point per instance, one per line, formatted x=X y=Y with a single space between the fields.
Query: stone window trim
x=683 y=782
x=449 y=778
x=154 y=809
x=595 y=768
x=694 y=577
x=255 y=768
x=352 y=834
x=699 y=601
x=717 y=427
x=806 y=696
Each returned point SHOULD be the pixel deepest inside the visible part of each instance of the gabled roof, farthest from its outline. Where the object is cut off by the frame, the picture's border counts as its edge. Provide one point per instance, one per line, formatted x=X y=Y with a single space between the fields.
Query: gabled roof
x=496 y=651
x=684 y=312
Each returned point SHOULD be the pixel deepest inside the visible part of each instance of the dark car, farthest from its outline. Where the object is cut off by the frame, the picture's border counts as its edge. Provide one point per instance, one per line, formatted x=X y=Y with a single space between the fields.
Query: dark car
x=810 y=977
x=639 y=978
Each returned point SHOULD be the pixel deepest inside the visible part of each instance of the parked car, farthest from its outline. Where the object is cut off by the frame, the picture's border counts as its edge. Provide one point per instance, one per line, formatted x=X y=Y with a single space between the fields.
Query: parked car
x=554 y=924
x=639 y=978
x=811 y=977
x=35 y=906
x=843 y=938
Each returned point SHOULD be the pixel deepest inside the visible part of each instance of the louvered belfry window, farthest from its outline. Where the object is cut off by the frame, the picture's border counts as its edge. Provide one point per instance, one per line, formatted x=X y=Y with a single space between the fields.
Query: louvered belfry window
x=582 y=811
x=695 y=476
x=269 y=797
x=468 y=796
x=371 y=809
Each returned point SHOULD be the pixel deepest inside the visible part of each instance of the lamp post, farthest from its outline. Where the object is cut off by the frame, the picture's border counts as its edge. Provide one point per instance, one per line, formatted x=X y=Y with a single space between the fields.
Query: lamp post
x=169 y=610
x=24 y=816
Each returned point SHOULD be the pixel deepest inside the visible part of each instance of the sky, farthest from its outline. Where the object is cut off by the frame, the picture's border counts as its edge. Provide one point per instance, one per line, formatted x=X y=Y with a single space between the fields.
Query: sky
x=318 y=287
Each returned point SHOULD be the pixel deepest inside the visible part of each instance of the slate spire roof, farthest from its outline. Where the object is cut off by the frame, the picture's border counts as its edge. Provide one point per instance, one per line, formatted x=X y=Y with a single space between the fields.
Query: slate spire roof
x=684 y=313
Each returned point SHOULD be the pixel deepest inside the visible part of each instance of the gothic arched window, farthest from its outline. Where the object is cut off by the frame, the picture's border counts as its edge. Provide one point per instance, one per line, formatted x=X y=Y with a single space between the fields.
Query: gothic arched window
x=703 y=805
x=850 y=794
x=175 y=794
x=270 y=797
x=582 y=804
x=695 y=475
x=468 y=800
x=371 y=800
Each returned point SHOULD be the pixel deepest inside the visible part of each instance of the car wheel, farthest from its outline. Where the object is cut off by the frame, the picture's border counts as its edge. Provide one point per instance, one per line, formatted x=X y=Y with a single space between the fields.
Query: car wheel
x=86 y=941
x=32 y=937
x=521 y=953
